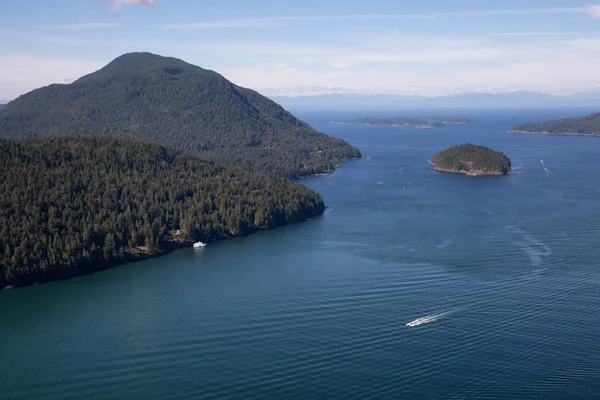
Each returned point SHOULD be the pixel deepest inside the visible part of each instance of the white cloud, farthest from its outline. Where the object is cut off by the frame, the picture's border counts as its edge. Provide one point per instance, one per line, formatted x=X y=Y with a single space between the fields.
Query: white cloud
x=241 y=23
x=372 y=62
x=84 y=26
x=117 y=4
x=21 y=73
x=594 y=10
x=408 y=51
x=541 y=34
x=584 y=44
x=276 y=21
x=564 y=75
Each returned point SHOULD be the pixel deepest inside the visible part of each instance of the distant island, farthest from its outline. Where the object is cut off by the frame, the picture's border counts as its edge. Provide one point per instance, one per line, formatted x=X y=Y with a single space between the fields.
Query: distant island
x=584 y=126
x=424 y=122
x=387 y=121
x=472 y=160
x=449 y=120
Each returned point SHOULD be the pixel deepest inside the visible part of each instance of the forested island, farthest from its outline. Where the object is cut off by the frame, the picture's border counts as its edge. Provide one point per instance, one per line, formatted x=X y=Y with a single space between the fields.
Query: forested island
x=168 y=101
x=424 y=122
x=387 y=121
x=472 y=160
x=146 y=155
x=73 y=205
x=584 y=126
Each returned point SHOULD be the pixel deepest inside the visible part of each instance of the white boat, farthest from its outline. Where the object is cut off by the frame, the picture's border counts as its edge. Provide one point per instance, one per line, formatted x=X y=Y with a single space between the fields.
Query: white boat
x=423 y=320
x=199 y=245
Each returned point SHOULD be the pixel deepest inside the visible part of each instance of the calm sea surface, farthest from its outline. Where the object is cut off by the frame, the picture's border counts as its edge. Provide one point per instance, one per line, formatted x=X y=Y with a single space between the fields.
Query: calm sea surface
x=504 y=272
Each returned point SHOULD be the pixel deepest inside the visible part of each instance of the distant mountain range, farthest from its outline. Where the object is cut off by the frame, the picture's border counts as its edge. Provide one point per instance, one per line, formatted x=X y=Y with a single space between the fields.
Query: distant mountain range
x=350 y=101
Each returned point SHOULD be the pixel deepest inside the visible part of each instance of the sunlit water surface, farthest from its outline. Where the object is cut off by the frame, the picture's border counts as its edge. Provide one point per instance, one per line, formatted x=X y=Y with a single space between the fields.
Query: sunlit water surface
x=499 y=277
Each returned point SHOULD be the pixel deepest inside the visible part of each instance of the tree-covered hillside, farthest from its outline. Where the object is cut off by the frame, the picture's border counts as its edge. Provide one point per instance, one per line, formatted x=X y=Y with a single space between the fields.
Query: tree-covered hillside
x=588 y=125
x=165 y=100
x=73 y=205
x=472 y=160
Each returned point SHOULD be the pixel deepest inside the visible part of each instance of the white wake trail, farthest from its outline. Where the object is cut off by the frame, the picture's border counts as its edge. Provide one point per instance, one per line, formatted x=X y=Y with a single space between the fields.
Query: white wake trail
x=429 y=318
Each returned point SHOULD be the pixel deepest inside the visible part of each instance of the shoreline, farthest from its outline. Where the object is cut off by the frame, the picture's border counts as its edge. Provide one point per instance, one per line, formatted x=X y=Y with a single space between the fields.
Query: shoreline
x=328 y=172
x=130 y=257
x=133 y=257
x=469 y=173
x=553 y=133
x=171 y=246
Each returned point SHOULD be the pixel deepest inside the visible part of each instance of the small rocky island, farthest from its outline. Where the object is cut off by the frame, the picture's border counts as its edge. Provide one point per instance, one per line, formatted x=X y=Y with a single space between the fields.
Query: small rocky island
x=472 y=160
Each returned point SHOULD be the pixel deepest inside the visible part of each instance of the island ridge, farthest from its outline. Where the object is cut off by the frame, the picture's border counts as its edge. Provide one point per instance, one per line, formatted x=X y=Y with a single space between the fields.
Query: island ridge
x=166 y=100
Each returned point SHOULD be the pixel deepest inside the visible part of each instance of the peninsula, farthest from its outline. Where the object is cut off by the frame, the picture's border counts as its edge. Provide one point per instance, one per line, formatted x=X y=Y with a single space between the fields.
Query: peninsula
x=472 y=160
x=584 y=126
x=146 y=155
x=75 y=205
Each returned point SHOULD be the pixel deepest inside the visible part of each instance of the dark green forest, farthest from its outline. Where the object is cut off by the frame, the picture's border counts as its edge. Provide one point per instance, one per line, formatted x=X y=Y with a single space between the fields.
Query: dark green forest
x=168 y=101
x=470 y=157
x=588 y=125
x=72 y=205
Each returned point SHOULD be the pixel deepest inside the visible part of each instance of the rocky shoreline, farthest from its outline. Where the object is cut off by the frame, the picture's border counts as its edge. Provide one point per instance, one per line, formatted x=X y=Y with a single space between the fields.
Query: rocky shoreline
x=135 y=255
x=554 y=133
x=469 y=173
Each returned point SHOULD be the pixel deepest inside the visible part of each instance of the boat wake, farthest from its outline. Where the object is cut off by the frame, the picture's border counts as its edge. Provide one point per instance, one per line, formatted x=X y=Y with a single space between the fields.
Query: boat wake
x=446 y=243
x=429 y=318
x=532 y=247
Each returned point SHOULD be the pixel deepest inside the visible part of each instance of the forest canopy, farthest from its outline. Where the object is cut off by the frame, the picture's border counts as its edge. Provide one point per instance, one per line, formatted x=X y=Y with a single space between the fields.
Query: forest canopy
x=71 y=205
x=168 y=101
x=588 y=125
x=472 y=160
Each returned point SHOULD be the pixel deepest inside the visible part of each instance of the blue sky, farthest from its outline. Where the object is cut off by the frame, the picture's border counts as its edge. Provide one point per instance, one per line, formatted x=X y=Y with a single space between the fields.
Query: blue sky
x=430 y=47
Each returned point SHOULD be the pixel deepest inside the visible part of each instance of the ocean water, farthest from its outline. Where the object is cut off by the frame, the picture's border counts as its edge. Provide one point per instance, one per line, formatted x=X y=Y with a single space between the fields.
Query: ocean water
x=499 y=277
